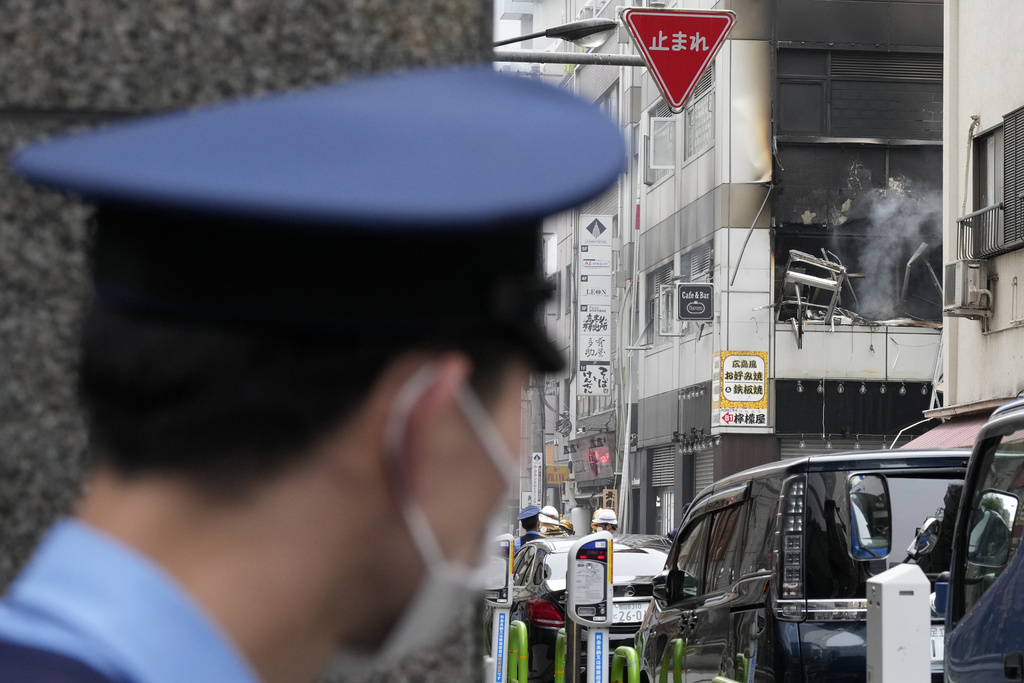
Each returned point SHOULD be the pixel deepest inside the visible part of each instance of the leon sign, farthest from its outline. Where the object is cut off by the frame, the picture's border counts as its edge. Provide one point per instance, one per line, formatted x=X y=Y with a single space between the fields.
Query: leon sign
x=678 y=45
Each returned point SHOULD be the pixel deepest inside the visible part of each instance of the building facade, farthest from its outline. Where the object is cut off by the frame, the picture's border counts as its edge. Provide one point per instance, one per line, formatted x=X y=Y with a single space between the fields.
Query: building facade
x=803 y=182
x=983 y=214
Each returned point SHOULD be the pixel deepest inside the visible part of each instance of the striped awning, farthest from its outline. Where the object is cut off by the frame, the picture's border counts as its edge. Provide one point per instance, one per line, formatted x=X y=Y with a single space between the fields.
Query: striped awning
x=957 y=432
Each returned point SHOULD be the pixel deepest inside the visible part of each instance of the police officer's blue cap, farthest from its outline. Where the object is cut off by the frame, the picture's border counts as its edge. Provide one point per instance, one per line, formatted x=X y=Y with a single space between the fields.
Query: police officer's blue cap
x=527 y=512
x=393 y=204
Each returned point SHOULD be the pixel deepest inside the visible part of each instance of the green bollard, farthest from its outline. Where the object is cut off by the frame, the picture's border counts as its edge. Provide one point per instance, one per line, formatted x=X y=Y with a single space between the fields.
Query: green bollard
x=560 y=656
x=518 y=654
x=625 y=657
x=677 y=650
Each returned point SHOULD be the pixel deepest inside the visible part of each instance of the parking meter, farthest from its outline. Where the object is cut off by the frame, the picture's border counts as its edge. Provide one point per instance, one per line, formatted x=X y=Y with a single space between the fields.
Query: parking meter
x=498 y=594
x=589 y=598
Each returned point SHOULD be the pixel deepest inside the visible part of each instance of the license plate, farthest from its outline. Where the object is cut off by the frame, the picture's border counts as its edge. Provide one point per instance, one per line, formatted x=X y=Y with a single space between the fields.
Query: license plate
x=938 y=636
x=628 y=612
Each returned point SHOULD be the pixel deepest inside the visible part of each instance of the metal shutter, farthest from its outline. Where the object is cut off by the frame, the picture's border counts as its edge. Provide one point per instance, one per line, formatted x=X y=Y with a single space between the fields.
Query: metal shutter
x=1013 y=178
x=703 y=470
x=663 y=466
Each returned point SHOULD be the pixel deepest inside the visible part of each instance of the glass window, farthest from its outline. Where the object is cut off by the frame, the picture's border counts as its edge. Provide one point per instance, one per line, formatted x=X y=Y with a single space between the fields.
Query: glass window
x=758 y=543
x=831 y=573
x=700 y=126
x=994 y=526
x=988 y=165
x=522 y=565
x=689 y=563
x=663 y=142
x=724 y=548
x=801 y=108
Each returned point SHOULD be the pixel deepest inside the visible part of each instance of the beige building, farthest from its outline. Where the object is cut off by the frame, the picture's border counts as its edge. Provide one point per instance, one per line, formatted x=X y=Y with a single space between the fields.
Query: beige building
x=983 y=215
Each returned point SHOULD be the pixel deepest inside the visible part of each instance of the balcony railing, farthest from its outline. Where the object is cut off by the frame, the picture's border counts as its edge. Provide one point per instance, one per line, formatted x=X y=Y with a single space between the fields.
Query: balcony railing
x=980 y=233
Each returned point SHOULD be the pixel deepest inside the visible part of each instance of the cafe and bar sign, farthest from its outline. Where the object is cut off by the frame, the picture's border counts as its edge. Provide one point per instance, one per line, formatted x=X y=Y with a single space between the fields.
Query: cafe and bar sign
x=695 y=301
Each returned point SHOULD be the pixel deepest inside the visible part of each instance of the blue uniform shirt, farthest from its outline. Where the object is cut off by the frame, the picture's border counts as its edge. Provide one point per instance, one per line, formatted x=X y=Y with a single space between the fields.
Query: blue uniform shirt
x=86 y=596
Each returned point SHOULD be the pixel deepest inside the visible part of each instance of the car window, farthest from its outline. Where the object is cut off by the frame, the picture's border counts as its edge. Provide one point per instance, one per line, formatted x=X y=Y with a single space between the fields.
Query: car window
x=994 y=524
x=539 y=566
x=724 y=547
x=557 y=562
x=637 y=562
x=523 y=562
x=690 y=559
x=758 y=541
x=830 y=571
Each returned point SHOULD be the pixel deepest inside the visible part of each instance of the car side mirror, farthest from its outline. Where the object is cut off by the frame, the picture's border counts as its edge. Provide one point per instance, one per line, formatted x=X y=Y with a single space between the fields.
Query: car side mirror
x=988 y=544
x=659 y=587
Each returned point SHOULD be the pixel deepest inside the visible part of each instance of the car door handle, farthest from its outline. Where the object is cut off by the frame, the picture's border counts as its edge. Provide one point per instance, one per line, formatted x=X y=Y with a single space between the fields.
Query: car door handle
x=1013 y=666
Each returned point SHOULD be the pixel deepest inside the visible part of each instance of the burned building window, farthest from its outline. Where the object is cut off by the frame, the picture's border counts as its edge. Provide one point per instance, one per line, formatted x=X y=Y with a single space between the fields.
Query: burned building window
x=859 y=94
x=876 y=210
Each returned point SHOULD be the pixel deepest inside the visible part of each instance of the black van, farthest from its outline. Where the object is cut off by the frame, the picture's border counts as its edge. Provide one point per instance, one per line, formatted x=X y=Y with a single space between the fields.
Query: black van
x=765 y=580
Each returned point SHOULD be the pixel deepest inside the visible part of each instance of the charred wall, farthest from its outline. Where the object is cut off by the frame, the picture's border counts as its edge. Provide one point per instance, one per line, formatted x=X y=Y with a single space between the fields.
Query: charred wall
x=879 y=25
x=858 y=162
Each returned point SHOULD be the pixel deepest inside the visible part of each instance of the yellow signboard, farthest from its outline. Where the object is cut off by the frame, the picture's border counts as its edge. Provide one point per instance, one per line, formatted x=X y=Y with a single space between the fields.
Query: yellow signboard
x=557 y=474
x=740 y=389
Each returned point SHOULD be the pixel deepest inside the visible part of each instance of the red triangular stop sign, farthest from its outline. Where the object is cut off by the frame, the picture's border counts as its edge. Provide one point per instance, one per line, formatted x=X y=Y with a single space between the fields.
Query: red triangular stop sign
x=678 y=45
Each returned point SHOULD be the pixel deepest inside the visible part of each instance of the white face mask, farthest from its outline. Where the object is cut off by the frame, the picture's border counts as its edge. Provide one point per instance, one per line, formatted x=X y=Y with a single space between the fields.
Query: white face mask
x=448 y=587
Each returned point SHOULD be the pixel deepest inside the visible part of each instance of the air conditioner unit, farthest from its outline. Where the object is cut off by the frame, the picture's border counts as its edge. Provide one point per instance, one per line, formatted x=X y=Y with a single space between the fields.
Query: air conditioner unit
x=965 y=290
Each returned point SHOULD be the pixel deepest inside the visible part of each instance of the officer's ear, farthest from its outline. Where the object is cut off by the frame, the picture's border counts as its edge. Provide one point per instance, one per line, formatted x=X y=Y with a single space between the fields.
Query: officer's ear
x=420 y=396
x=446 y=376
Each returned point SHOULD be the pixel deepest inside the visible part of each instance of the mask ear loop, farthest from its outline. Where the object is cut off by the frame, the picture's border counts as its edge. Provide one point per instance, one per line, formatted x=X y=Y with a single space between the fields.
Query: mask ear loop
x=483 y=428
x=487 y=434
x=394 y=445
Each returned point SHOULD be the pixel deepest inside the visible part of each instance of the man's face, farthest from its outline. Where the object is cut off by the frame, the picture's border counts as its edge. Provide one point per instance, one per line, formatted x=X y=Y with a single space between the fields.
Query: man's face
x=605 y=527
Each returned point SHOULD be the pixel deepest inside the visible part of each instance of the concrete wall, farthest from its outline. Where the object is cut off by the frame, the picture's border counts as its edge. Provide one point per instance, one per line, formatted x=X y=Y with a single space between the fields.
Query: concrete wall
x=77 y=63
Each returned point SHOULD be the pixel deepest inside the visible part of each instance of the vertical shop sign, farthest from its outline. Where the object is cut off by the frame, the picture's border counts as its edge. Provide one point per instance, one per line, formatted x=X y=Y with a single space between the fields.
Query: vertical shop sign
x=593 y=319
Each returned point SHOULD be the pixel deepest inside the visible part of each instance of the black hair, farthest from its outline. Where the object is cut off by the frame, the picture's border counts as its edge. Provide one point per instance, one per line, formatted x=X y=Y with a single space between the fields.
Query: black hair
x=531 y=523
x=228 y=407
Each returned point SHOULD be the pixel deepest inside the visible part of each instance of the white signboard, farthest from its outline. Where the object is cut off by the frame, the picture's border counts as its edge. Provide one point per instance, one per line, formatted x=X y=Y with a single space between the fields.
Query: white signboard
x=593 y=318
x=537 y=476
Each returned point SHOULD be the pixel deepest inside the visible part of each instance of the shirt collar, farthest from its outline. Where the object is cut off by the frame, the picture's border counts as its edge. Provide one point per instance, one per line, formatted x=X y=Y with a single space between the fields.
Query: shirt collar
x=123 y=606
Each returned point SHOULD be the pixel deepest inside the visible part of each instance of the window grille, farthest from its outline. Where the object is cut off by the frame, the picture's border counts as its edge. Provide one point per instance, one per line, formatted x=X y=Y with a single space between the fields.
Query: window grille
x=663 y=466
